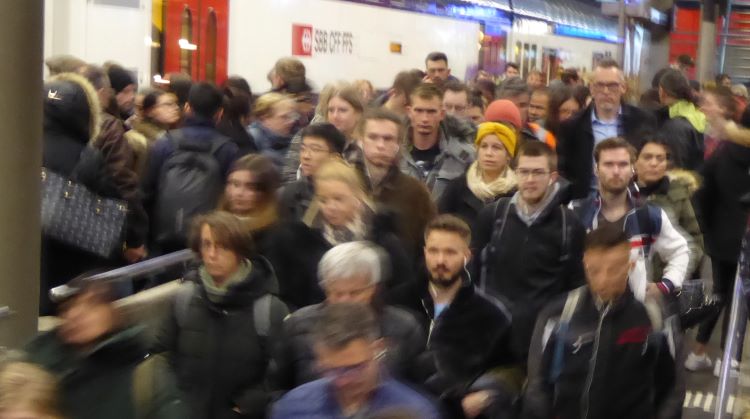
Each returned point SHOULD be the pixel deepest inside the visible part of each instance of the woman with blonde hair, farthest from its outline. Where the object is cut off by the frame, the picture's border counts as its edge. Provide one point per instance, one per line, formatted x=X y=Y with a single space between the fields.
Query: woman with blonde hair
x=275 y=116
x=28 y=391
x=340 y=212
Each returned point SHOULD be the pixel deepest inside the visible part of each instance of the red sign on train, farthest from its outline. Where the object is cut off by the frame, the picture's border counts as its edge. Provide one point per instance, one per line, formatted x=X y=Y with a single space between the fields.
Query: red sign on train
x=302 y=40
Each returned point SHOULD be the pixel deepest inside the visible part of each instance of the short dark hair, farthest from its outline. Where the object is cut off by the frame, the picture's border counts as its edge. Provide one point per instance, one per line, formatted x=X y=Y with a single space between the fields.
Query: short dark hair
x=436 y=56
x=227 y=230
x=407 y=81
x=326 y=131
x=511 y=65
x=150 y=97
x=205 y=99
x=340 y=324
x=605 y=238
x=569 y=76
x=427 y=91
x=475 y=101
x=512 y=87
x=456 y=87
x=608 y=63
x=722 y=76
x=660 y=142
x=614 y=143
x=381 y=114
x=674 y=83
x=237 y=98
x=535 y=148
x=450 y=224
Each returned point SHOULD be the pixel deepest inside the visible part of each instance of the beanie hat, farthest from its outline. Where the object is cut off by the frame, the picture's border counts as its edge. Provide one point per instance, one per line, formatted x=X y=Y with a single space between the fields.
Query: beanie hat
x=505 y=134
x=119 y=78
x=503 y=110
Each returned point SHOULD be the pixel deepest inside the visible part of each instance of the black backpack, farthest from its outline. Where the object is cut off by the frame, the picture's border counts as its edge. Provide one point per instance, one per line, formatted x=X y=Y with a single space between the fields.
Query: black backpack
x=190 y=184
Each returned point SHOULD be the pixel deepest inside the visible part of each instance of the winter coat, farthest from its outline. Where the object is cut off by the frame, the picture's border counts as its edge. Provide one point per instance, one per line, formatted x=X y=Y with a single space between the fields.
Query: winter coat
x=527 y=265
x=410 y=201
x=295 y=199
x=575 y=147
x=141 y=138
x=617 y=362
x=673 y=194
x=470 y=337
x=102 y=382
x=722 y=216
x=402 y=333
x=649 y=230
x=460 y=201
x=684 y=140
x=456 y=155
x=269 y=144
x=220 y=361
x=239 y=134
x=291 y=163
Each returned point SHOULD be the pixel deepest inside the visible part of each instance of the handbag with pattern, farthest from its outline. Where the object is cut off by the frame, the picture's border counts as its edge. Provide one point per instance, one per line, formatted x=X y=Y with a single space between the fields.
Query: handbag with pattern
x=74 y=215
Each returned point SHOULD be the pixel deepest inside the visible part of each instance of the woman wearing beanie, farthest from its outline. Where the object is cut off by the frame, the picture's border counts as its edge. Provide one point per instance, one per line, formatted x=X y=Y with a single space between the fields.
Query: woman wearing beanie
x=490 y=177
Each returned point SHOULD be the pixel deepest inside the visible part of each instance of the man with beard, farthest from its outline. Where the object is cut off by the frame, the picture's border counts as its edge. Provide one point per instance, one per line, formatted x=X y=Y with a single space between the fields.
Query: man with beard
x=648 y=228
x=468 y=331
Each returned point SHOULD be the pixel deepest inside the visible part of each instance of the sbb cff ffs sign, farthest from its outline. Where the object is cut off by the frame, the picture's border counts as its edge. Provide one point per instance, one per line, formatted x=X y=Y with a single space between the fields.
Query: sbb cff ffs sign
x=306 y=40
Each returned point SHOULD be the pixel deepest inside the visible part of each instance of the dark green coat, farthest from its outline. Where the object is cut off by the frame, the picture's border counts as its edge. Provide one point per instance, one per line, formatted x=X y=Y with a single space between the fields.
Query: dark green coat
x=101 y=382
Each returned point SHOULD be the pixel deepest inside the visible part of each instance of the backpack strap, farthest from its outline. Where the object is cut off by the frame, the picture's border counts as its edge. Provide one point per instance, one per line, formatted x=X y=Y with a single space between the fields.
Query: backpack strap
x=565 y=236
x=498 y=226
x=558 y=356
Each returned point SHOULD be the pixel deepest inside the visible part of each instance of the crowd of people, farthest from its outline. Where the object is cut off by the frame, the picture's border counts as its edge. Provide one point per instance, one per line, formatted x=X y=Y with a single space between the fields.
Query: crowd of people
x=493 y=249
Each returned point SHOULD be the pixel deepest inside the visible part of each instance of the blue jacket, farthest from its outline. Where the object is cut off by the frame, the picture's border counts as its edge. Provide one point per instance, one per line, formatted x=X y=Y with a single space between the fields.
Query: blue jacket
x=270 y=144
x=315 y=400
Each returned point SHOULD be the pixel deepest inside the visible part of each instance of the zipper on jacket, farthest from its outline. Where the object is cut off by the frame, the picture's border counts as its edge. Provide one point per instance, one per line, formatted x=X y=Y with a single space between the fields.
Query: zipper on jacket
x=432 y=323
x=585 y=400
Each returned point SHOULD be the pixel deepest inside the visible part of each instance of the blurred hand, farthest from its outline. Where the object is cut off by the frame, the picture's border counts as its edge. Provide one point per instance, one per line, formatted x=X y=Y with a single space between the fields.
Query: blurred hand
x=135 y=254
x=653 y=291
x=474 y=403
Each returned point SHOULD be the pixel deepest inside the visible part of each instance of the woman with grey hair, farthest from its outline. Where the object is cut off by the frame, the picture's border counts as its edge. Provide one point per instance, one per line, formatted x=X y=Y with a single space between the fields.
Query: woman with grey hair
x=349 y=273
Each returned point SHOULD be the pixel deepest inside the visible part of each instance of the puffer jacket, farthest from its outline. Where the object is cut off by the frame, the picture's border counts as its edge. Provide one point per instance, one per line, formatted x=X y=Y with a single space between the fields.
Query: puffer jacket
x=456 y=155
x=220 y=361
x=684 y=134
x=629 y=340
x=270 y=144
x=103 y=381
x=402 y=333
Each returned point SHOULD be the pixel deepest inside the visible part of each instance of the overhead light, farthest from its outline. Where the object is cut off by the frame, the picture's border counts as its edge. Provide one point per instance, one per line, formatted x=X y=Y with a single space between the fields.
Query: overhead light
x=185 y=44
x=159 y=80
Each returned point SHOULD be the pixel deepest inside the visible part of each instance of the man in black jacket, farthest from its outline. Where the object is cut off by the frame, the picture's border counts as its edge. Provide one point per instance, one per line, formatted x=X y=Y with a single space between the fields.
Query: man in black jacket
x=600 y=353
x=530 y=244
x=606 y=117
x=468 y=331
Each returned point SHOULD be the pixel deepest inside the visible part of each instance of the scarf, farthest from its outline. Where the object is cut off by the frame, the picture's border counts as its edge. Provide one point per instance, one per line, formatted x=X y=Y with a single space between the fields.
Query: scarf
x=528 y=215
x=354 y=231
x=217 y=293
x=488 y=191
x=685 y=109
x=261 y=219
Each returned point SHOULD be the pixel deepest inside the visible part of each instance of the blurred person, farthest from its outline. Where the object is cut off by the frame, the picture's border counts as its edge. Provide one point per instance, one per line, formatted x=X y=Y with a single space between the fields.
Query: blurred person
x=511 y=70
x=572 y=361
x=275 y=116
x=539 y=106
x=408 y=198
x=124 y=87
x=724 y=79
x=349 y=351
x=720 y=108
x=436 y=67
x=646 y=225
x=366 y=90
x=562 y=106
x=475 y=110
x=179 y=85
x=100 y=361
x=186 y=170
x=681 y=124
x=608 y=116
x=320 y=142
x=582 y=94
x=220 y=333
x=490 y=177
x=159 y=112
x=528 y=246
x=469 y=332
x=237 y=114
x=671 y=190
x=433 y=155
x=288 y=75
x=456 y=99
x=650 y=100
x=740 y=96
x=397 y=98
x=28 y=392
x=517 y=91
x=351 y=273
x=340 y=212
x=570 y=77
x=63 y=63
x=723 y=218
x=486 y=89
x=684 y=63
x=535 y=80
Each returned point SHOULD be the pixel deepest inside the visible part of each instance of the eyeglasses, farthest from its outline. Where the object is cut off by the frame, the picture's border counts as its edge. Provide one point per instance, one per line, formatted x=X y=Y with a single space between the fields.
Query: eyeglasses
x=531 y=173
x=613 y=86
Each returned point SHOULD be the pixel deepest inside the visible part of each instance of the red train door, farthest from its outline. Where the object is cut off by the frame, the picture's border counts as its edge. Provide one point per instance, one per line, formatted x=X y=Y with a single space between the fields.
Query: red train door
x=196 y=38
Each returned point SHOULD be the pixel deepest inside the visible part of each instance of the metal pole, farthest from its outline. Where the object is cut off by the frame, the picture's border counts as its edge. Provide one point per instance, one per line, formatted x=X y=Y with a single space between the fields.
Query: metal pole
x=730 y=347
x=724 y=32
x=21 y=33
x=621 y=21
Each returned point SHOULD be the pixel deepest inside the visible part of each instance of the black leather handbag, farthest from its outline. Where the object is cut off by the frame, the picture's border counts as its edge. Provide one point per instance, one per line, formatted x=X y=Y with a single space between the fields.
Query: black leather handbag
x=76 y=216
x=695 y=305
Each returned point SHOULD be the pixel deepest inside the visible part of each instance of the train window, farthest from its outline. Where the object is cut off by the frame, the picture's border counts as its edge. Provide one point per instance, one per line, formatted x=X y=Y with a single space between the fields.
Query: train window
x=525 y=60
x=186 y=36
x=210 y=49
x=532 y=59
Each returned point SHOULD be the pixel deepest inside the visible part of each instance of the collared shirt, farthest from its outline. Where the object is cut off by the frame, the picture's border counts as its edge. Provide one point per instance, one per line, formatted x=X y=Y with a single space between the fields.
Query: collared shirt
x=603 y=130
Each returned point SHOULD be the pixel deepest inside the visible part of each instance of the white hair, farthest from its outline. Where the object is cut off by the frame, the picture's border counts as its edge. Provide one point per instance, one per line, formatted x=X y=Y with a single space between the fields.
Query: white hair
x=349 y=260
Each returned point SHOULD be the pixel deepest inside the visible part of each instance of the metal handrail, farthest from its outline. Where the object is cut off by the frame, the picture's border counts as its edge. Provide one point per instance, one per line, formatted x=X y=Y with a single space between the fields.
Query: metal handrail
x=734 y=336
x=136 y=270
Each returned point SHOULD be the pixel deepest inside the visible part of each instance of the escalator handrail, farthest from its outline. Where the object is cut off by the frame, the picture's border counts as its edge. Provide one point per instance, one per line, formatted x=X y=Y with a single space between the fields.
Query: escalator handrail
x=733 y=337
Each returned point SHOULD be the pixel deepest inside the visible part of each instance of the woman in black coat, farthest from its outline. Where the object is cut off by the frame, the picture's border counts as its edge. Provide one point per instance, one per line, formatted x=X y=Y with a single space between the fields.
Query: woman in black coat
x=490 y=177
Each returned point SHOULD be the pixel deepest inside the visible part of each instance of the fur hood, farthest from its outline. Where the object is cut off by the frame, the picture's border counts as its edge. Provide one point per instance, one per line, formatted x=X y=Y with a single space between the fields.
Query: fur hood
x=689 y=178
x=71 y=106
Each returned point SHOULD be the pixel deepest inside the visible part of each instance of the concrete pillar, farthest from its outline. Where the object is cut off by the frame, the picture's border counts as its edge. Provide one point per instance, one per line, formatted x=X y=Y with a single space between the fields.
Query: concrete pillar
x=622 y=33
x=21 y=33
x=706 y=62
